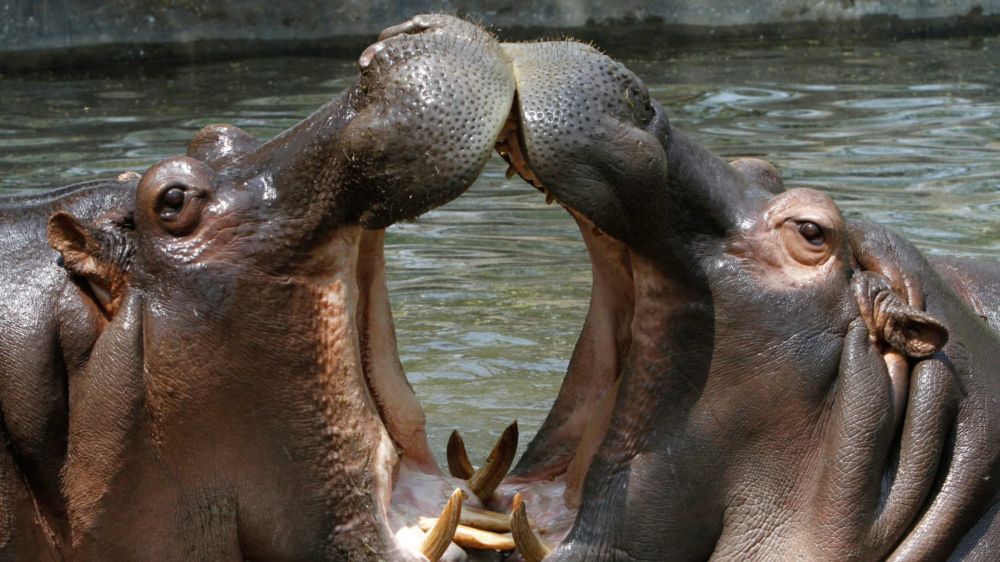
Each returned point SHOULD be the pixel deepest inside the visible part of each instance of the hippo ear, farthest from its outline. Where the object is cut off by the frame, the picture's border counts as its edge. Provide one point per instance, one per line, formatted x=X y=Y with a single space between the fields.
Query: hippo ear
x=913 y=332
x=93 y=255
x=893 y=322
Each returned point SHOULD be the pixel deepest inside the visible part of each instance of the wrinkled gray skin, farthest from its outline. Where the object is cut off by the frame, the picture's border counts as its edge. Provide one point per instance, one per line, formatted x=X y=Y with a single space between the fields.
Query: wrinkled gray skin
x=776 y=397
x=197 y=368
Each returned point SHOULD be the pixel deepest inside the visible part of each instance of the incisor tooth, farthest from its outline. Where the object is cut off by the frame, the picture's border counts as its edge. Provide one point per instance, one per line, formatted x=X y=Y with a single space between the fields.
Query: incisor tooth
x=485 y=481
x=469 y=537
x=442 y=531
x=477 y=519
x=486 y=520
x=530 y=546
x=458 y=459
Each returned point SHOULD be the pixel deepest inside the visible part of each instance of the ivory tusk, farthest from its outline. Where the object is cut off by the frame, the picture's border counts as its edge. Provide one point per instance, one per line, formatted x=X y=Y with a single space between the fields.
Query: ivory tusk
x=529 y=544
x=486 y=520
x=458 y=460
x=485 y=481
x=441 y=533
x=469 y=537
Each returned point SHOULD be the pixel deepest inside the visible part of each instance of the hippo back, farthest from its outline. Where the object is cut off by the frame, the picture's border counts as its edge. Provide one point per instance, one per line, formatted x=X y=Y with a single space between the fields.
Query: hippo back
x=976 y=281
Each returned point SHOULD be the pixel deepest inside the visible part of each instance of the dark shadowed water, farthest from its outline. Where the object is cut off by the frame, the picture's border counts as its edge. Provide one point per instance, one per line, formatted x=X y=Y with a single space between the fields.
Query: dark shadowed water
x=490 y=291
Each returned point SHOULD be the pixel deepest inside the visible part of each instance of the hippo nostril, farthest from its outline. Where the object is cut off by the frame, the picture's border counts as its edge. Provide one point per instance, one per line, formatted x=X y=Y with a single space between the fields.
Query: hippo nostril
x=417 y=24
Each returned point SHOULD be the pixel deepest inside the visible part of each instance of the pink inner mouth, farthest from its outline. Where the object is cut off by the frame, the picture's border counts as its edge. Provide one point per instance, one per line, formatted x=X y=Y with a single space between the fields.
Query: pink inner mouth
x=415 y=488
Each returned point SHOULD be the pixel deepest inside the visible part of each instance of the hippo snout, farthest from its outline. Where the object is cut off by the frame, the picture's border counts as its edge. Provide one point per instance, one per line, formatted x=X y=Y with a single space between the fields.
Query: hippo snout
x=437 y=93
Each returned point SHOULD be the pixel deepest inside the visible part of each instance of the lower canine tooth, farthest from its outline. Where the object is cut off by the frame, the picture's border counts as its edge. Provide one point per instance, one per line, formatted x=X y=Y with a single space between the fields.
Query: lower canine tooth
x=458 y=460
x=441 y=533
x=530 y=546
x=485 y=481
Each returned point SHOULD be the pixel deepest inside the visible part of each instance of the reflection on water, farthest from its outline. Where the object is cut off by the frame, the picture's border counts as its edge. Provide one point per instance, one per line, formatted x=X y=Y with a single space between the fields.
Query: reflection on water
x=490 y=291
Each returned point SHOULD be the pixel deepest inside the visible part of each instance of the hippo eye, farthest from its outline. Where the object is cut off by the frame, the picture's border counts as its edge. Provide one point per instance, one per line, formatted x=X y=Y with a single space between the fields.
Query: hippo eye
x=812 y=232
x=178 y=208
x=173 y=201
x=172 y=195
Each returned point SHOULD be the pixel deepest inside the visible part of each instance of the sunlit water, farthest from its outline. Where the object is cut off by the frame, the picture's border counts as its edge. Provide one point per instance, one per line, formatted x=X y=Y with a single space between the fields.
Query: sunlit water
x=490 y=291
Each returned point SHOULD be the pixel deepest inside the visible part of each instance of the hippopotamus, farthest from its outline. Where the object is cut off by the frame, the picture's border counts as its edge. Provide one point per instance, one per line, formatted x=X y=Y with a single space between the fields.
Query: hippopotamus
x=757 y=377
x=198 y=363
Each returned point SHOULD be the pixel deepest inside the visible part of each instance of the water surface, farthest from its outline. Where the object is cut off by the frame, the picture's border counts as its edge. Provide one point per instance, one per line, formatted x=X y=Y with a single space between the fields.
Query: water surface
x=490 y=291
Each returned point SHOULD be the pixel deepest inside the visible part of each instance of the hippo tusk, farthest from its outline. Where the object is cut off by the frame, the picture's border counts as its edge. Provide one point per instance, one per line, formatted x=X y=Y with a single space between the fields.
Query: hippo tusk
x=529 y=544
x=485 y=481
x=470 y=537
x=485 y=520
x=458 y=460
x=440 y=534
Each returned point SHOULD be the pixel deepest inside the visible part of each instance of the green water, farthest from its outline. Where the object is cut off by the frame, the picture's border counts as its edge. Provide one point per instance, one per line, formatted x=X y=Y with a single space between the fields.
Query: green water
x=490 y=291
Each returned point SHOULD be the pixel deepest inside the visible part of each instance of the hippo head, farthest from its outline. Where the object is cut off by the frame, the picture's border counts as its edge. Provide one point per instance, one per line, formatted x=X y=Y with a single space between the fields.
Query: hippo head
x=243 y=398
x=741 y=385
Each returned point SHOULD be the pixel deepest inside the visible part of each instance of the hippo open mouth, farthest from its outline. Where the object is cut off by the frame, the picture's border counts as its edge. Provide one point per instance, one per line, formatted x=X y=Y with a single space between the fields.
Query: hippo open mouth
x=475 y=512
x=482 y=510
x=490 y=512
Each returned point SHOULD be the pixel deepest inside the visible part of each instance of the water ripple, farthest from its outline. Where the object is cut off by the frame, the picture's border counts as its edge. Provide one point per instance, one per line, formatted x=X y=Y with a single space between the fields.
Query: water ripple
x=490 y=290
